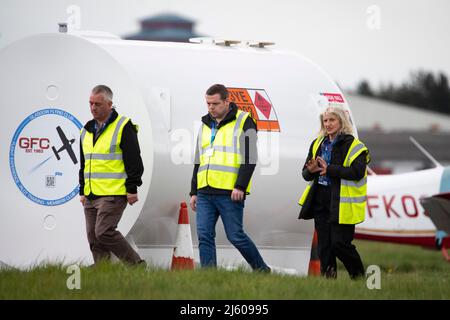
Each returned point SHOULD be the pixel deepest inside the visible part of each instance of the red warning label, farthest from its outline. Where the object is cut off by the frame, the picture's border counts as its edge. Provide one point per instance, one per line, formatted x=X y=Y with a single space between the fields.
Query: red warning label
x=257 y=103
x=334 y=97
x=337 y=100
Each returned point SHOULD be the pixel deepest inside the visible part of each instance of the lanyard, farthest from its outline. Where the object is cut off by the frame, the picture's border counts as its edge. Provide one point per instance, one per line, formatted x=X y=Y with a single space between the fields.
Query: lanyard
x=213 y=131
x=327 y=148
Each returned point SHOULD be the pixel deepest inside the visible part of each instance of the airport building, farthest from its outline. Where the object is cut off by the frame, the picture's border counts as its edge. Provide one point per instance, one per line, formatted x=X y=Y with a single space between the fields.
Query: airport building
x=165 y=27
x=386 y=128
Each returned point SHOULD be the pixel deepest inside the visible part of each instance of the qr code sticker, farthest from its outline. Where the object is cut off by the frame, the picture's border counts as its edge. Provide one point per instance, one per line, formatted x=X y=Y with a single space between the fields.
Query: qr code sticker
x=50 y=181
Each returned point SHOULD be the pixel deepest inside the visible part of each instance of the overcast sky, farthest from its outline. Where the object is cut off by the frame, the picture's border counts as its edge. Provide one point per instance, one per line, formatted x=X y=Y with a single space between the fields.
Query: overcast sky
x=350 y=39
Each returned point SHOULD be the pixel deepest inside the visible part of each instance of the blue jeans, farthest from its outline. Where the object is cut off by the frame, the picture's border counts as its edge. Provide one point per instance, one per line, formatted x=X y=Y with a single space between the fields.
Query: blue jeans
x=209 y=208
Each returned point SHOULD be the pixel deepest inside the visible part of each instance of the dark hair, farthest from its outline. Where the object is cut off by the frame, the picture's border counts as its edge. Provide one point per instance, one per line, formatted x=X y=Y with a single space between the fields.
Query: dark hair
x=218 y=88
x=107 y=92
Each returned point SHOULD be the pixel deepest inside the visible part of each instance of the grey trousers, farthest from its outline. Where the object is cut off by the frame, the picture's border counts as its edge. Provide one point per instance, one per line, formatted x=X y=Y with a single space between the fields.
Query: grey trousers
x=102 y=217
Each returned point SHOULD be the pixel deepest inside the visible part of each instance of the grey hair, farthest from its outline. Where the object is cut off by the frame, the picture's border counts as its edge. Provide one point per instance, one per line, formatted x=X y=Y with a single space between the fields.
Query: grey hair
x=107 y=92
x=343 y=117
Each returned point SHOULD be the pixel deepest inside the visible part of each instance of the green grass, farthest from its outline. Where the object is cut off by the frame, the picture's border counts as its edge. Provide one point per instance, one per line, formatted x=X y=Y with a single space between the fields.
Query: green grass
x=406 y=273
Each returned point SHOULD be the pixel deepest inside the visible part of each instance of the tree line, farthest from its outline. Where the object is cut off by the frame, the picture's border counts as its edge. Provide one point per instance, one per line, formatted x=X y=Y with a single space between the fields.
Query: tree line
x=423 y=90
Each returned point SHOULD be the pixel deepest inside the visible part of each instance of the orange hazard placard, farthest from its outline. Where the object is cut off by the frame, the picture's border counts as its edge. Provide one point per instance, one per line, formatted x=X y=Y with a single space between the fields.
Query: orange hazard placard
x=257 y=103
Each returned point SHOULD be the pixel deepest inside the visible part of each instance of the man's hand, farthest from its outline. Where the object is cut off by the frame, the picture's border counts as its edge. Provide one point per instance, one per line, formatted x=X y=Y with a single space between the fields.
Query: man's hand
x=83 y=200
x=193 y=202
x=132 y=198
x=237 y=195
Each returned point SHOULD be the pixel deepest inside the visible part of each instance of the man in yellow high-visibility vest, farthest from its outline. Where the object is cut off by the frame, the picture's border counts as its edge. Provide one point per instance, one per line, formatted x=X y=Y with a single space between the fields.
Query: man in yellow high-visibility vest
x=225 y=161
x=110 y=172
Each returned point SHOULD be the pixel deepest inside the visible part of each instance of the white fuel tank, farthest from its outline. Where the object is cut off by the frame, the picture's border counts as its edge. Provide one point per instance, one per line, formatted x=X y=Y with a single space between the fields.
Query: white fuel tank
x=46 y=81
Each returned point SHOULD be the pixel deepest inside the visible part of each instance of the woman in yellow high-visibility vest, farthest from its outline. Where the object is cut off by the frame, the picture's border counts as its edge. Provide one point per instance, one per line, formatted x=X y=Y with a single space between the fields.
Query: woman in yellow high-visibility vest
x=335 y=197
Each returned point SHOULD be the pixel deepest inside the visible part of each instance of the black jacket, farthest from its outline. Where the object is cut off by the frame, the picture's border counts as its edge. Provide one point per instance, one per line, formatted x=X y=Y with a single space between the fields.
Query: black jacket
x=335 y=171
x=248 y=139
x=131 y=154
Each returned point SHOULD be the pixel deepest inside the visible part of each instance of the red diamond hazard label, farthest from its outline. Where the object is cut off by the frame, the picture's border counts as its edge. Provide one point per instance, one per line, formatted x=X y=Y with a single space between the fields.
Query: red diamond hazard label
x=263 y=105
x=258 y=104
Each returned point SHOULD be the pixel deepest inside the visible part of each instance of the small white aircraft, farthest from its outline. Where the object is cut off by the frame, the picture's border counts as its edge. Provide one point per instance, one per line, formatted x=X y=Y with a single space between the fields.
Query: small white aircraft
x=410 y=208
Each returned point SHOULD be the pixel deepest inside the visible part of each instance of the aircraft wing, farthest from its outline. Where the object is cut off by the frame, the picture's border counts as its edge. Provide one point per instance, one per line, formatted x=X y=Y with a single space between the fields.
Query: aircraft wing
x=438 y=209
x=64 y=140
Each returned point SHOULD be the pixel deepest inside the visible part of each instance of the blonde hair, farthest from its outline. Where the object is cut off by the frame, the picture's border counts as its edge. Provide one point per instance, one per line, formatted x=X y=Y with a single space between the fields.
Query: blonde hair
x=343 y=117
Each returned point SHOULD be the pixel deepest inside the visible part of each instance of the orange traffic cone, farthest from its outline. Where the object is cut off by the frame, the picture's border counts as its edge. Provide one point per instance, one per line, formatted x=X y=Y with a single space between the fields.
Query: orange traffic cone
x=183 y=253
x=314 y=262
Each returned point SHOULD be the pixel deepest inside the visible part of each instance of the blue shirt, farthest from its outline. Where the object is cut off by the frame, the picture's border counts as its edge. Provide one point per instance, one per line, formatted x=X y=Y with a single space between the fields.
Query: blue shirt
x=326 y=148
x=97 y=129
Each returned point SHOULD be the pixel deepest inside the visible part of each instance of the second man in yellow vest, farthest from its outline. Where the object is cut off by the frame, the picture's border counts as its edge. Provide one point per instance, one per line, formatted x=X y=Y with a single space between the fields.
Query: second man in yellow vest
x=225 y=161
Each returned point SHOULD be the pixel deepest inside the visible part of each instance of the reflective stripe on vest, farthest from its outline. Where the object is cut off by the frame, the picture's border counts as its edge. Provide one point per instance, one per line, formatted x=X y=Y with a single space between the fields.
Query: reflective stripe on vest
x=305 y=193
x=220 y=170
x=353 y=194
x=104 y=170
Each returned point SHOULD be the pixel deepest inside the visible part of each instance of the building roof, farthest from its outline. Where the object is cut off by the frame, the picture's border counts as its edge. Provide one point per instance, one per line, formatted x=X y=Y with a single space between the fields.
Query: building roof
x=397 y=146
x=163 y=35
x=371 y=113
x=167 y=17
x=165 y=27
x=385 y=128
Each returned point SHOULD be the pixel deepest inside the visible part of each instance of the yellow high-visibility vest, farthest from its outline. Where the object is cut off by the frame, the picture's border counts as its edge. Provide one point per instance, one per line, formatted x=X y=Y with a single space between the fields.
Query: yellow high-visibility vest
x=353 y=194
x=220 y=160
x=104 y=169
x=305 y=194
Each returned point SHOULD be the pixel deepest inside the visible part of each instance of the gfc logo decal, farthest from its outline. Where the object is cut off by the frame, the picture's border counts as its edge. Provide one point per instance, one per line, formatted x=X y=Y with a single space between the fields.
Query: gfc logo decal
x=43 y=157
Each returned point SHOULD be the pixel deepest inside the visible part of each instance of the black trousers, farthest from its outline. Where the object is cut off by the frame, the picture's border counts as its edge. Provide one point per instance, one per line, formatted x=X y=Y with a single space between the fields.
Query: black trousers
x=334 y=240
